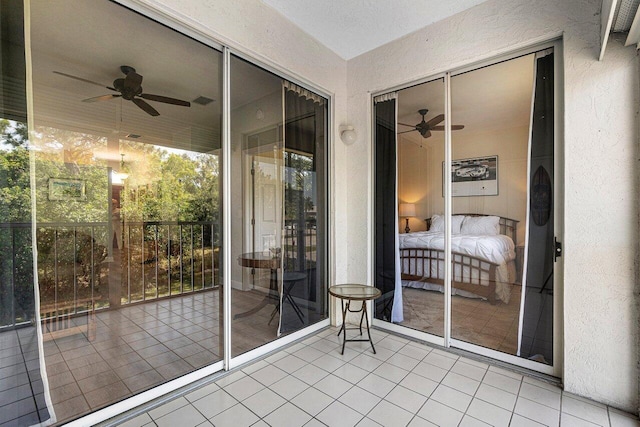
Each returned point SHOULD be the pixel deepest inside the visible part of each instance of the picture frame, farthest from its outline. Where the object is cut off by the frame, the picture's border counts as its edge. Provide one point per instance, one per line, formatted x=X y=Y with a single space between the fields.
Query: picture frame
x=476 y=176
x=67 y=189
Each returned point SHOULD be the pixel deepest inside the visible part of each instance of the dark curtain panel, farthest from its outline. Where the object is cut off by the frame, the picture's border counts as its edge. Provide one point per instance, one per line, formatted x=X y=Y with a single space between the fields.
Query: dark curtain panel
x=385 y=206
x=537 y=334
x=303 y=281
x=13 y=102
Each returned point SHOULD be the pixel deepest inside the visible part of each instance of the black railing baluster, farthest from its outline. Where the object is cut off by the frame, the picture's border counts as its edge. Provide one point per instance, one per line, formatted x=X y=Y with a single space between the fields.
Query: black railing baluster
x=75 y=273
x=169 y=258
x=92 y=276
x=128 y=263
x=192 y=278
x=202 y=245
x=13 y=275
x=213 y=260
x=55 y=269
x=144 y=292
x=181 y=263
x=156 y=255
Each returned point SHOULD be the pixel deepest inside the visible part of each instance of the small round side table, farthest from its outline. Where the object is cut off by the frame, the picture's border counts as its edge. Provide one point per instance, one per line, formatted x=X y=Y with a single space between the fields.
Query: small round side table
x=354 y=292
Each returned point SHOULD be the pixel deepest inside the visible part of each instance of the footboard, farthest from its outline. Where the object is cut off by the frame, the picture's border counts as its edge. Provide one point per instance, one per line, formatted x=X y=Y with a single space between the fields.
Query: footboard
x=470 y=273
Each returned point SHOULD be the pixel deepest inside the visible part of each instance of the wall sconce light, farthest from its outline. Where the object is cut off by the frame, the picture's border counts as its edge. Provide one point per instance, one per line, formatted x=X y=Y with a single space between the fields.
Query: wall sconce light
x=348 y=135
x=407 y=210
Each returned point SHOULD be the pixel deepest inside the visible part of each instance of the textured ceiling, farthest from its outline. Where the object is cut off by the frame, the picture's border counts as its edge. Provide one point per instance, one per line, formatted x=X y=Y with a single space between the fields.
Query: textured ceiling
x=353 y=27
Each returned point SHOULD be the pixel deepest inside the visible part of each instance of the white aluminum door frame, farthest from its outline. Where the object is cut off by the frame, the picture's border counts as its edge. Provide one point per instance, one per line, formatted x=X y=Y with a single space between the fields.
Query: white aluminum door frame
x=554 y=42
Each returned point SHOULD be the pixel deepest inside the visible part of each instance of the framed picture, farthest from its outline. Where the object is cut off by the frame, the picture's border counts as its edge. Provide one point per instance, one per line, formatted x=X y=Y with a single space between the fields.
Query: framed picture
x=477 y=176
x=67 y=189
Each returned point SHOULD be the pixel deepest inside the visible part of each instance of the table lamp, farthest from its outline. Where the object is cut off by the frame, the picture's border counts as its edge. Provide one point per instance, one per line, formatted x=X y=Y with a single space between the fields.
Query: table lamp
x=407 y=210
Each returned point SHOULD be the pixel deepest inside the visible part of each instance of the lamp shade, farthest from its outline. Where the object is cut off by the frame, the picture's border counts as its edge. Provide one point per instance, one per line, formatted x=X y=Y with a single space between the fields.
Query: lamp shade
x=407 y=210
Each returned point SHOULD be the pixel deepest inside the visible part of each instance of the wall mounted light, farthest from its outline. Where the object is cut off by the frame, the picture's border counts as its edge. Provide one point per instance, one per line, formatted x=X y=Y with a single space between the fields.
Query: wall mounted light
x=348 y=135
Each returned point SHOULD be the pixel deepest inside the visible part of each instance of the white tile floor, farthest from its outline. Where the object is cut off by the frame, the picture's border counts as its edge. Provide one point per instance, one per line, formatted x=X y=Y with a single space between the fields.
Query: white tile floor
x=406 y=383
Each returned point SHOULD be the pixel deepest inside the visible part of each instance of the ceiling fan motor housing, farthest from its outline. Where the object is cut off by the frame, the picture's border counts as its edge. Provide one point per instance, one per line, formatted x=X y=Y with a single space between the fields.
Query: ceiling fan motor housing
x=128 y=93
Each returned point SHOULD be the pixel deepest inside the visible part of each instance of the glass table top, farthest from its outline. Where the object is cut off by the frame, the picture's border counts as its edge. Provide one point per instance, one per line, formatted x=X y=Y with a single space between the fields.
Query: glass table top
x=354 y=292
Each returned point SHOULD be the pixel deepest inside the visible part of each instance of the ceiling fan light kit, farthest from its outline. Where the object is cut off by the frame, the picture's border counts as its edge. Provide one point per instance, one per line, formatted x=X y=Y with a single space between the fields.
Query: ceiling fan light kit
x=130 y=89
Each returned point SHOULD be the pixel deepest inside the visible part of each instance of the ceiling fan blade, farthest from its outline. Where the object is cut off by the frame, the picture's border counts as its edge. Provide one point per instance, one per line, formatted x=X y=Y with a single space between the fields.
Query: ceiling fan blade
x=437 y=119
x=133 y=81
x=101 y=98
x=146 y=107
x=453 y=127
x=426 y=135
x=404 y=124
x=82 y=80
x=407 y=131
x=165 y=99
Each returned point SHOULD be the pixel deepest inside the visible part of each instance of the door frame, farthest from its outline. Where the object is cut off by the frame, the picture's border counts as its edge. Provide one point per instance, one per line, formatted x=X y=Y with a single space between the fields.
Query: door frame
x=556 y=369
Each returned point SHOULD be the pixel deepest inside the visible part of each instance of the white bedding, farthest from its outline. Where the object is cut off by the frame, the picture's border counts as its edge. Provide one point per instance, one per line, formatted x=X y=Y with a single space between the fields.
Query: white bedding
x=498 y=249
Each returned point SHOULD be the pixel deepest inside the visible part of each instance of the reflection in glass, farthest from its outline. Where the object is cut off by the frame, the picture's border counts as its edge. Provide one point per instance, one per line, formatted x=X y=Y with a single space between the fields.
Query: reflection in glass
x=126 y=202
x=492 y=182
x=304 y=256
x=278 y=202
x=419 y=303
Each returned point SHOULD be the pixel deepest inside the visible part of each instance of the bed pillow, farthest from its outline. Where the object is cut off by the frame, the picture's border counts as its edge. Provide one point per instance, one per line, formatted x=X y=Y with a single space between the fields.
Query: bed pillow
x=437 y=223
x=482 y=225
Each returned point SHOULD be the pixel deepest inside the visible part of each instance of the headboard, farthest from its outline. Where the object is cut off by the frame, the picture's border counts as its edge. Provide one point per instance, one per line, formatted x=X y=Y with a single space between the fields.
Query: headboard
x=508 y=226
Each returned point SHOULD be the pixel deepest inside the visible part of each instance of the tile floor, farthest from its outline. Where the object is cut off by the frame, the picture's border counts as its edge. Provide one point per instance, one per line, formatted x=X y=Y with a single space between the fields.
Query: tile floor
x=135 y=348
x=21 y=388
x=405 y=383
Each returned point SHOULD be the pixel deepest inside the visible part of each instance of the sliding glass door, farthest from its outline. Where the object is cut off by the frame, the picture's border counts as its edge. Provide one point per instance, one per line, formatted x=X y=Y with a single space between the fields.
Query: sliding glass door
x=113 y=142
x=409 y=160
x=480 y=228
x=278 y=205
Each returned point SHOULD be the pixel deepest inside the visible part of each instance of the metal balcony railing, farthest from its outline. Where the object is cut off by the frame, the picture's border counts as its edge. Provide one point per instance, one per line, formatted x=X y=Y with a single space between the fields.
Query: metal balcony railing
x=79 y=262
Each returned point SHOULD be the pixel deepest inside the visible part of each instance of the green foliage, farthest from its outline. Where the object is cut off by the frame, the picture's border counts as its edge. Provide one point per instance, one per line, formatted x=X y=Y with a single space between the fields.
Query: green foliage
x=163 y=185
x=16 y=265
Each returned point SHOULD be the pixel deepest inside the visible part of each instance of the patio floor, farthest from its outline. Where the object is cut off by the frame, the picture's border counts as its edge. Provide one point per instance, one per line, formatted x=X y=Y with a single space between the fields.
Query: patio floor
x=135 y=348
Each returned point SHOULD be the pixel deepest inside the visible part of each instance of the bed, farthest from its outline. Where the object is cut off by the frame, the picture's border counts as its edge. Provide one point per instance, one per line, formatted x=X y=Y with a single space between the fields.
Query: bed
x=483 y=256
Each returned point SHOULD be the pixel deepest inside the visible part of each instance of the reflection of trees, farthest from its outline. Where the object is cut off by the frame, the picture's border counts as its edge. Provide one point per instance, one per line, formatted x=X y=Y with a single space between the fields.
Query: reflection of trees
x=163 y=186
x=167 y=186
x=300 y=169
x=16 y=264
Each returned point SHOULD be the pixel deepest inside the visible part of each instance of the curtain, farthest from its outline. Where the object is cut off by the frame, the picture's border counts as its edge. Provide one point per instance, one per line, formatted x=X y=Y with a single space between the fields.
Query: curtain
x=387 y=256
x=538 y=311
x=302 y=297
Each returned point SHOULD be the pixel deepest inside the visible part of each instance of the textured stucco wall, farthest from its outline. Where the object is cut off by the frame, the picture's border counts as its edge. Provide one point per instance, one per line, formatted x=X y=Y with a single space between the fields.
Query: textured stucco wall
x=600 y=142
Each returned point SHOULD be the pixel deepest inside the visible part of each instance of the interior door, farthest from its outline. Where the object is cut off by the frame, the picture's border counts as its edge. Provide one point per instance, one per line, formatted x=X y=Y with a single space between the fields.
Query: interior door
x=263 y=198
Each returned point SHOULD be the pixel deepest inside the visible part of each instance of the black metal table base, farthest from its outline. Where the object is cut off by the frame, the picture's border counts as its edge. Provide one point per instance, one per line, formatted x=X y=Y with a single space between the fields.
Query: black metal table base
x=343 y=329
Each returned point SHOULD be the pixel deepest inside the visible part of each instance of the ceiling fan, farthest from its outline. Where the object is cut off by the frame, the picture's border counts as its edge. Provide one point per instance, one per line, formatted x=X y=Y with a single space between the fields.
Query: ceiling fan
x=130 y=88
x=425 y=127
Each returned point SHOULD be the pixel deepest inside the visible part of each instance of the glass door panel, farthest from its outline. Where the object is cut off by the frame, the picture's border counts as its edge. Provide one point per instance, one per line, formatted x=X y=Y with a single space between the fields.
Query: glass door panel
x=304 y=287
x=419 y=206
x=491 y=186
x=127 y=202
x=256 y=205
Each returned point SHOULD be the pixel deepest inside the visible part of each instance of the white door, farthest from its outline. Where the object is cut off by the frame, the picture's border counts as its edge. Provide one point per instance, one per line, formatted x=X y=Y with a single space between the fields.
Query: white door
x=263 y=198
